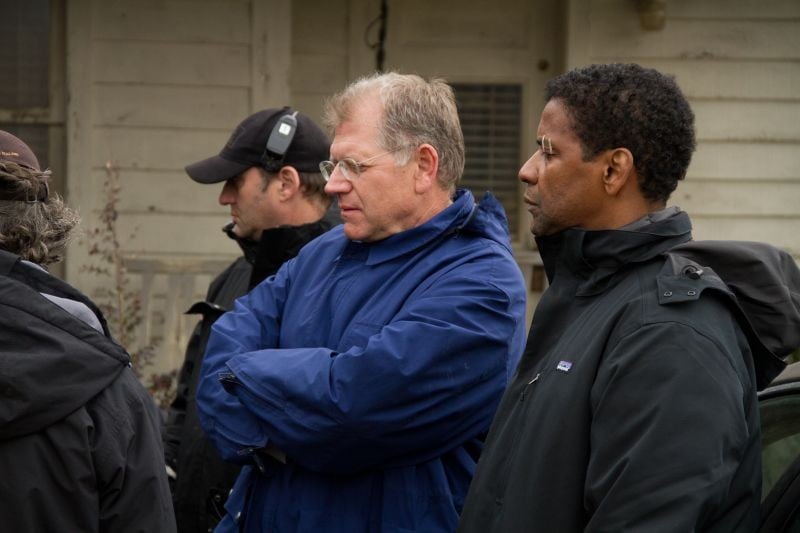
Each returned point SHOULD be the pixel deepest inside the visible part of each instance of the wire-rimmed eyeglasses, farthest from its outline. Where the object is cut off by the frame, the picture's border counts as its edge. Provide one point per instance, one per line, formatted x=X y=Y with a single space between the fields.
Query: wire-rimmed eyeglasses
x=349 y=167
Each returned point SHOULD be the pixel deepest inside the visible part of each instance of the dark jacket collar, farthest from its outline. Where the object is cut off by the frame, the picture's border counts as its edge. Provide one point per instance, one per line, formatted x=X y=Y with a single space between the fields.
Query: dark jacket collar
x=594 y=257
x=278 y=245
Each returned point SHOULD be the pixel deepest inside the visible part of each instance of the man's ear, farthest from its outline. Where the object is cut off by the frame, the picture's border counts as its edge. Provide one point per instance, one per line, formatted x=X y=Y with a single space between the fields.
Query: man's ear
x=619 y=171
x=427 y=167
x=289 y=183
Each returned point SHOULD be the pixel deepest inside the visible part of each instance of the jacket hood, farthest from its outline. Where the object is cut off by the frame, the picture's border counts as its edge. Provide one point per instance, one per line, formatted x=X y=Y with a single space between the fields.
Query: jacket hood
x=51 y=363
x=486 y=219
x=764 y=282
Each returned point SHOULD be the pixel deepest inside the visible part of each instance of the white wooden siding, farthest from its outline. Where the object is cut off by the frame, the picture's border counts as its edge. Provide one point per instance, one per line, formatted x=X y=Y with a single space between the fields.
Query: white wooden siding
x=323 y=50
x=175 y=63
x=155 y=85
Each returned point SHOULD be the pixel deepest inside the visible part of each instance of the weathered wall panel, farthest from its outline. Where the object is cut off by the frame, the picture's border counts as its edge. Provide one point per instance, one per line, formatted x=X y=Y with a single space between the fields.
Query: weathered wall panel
x=156 y=148
x=735 y=9
x=734 y=79
x=617 y=32
x=173 y=235
x=173 y=197
x=781 y=232
x=746 y=160
x=731 y=198
x=168 y=106
x=320 y=53
x=753 y=120
x=178 y=63
x=503 y=24
x=199 y=21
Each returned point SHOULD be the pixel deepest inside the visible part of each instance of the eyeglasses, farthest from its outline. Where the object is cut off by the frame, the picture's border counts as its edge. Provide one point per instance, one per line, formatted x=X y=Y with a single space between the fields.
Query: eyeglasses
x=349 y=167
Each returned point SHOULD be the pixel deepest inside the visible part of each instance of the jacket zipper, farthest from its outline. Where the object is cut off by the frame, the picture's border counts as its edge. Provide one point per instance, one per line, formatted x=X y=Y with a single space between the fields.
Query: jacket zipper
x=531 y=382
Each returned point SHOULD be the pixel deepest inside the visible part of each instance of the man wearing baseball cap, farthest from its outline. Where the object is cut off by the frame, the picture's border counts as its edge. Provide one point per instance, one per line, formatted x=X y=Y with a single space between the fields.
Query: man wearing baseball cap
x=275 y=192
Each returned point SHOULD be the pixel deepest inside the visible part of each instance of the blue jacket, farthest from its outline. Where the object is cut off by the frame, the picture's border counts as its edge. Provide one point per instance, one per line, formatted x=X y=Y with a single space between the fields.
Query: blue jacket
x=376 y=368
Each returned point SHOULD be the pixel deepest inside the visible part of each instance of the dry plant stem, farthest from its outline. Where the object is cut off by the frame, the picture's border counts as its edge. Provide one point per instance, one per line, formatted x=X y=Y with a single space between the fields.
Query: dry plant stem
x=112 y=175
x=121 y=305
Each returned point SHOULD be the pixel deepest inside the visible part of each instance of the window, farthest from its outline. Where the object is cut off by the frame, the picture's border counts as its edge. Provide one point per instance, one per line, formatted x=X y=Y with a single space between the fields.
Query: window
x=491 y=120
x=780 y=426
x=780 y=442
x=31 y=65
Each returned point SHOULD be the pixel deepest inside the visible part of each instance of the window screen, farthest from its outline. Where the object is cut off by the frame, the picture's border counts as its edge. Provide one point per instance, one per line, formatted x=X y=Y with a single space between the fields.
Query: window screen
x=491 y=120
x=24 y=54
x=25 y=71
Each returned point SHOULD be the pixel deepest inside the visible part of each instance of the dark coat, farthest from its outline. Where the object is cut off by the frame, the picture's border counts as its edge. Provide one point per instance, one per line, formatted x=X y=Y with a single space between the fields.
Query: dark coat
x=79 y=436
x=203 y=479
x=634 y=406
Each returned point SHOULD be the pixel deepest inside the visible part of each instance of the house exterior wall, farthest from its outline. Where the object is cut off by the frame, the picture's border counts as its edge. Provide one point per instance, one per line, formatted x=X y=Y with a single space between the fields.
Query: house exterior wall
x=738 y=63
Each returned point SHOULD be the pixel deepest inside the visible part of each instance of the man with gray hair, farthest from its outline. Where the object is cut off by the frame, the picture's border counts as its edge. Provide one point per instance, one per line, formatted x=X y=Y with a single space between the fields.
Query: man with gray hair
x=357 y=384
x=80 y=448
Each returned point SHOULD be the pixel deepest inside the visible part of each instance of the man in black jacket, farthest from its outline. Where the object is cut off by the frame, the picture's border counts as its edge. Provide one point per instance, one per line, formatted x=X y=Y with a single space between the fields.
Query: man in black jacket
x=634 y=405
x=270 y=166
x=79 y=435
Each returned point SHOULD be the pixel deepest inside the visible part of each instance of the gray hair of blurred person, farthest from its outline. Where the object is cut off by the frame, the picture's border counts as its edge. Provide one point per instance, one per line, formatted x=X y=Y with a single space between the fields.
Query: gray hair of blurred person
x=36 y=230
x=415 y=112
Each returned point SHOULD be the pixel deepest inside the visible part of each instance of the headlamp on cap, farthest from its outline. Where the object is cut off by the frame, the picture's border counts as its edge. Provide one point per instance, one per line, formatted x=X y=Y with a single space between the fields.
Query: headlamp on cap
x=278 y=143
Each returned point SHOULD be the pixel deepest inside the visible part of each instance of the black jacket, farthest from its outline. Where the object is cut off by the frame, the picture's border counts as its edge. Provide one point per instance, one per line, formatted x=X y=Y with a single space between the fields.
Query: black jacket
x=203 y=479
x=634 y=405
x=79 y=436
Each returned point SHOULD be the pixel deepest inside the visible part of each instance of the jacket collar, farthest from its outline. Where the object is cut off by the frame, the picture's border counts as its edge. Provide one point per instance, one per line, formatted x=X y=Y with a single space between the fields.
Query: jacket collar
x=446 y=221
x=485 y=219
x=275 y=241
x=594 y=257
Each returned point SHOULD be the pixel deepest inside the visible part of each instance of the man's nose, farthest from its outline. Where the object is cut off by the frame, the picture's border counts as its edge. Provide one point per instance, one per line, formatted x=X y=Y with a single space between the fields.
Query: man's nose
x=337 y=183
x=228 y=194
x=529 y=173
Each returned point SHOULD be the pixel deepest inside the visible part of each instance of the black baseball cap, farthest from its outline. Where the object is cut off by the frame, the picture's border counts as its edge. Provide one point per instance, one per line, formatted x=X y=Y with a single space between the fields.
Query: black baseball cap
x=247 y=144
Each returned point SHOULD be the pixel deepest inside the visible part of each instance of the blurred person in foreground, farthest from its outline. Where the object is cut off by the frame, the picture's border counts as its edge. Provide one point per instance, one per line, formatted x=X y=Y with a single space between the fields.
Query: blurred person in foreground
x=275 y=192
x=634 y=405
x=79 y=435
x=358 y=383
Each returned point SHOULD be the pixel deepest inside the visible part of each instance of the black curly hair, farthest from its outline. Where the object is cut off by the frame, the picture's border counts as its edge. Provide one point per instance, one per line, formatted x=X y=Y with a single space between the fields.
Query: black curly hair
x=629 y=106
